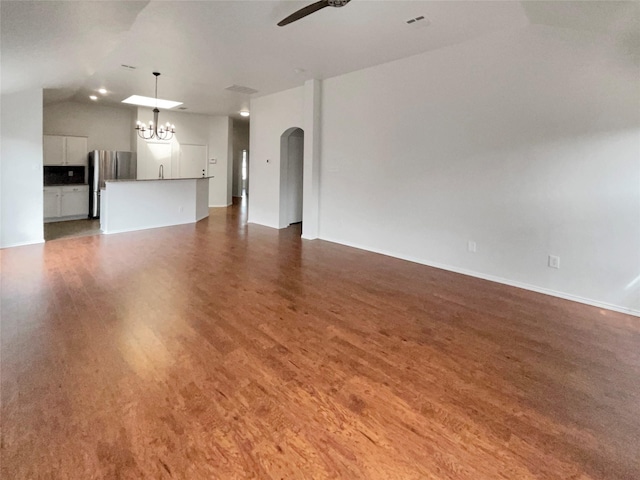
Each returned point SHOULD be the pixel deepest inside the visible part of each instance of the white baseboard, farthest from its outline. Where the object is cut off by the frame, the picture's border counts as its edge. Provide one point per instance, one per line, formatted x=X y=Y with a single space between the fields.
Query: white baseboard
x=66 y=219
x=149 y=227
x=263 y=224
x=221 y=206
x=493 y=278
x=22 y=244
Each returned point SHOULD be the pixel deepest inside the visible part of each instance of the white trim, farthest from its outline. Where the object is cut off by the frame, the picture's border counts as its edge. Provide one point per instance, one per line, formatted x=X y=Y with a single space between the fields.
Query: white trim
x=150 y=227
x=276 y=227
x=66 y=218
x=221 y=206
x=22 y=244
x=492 y=278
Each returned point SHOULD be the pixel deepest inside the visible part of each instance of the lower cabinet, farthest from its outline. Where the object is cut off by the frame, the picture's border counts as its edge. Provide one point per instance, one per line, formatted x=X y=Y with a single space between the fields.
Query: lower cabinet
x=66 y=203
x=51 y=202
x=74 y=201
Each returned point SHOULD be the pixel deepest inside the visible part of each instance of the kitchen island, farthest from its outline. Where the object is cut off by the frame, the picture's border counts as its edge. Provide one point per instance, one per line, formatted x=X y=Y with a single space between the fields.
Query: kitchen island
x=128 y=205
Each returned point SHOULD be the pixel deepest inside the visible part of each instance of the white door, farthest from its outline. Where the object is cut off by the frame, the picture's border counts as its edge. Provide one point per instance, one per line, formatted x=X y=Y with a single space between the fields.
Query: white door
x=53 y=150
x=193 y=161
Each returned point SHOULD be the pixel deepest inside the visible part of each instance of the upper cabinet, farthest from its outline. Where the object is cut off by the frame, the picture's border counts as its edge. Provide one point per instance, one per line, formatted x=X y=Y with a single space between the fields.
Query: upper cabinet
x=76 y=150
x=62 y=150
x=53 y=150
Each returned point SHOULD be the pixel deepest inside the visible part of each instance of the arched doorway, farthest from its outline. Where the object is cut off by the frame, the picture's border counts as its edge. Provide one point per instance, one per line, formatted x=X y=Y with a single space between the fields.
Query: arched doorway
x=291 y=175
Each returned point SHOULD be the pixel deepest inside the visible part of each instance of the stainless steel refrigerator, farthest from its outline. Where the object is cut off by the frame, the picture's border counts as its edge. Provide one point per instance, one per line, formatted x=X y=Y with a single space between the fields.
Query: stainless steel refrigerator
x=108 y=165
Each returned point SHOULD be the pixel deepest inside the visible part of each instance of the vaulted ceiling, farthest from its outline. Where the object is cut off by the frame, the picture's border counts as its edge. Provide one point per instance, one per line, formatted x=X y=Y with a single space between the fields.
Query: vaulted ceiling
x=201 y=47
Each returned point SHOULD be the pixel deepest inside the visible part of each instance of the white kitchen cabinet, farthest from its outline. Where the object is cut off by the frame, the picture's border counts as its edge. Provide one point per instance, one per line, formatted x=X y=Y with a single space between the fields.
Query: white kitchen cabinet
x=53 y=150
x=52 y=202
x=66 y=203
x=74 y=201
x=64 y=150
x=76 y=150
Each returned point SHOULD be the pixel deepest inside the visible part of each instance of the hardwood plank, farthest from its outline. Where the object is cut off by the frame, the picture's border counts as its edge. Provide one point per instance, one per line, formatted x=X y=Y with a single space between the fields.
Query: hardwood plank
x=223 y=350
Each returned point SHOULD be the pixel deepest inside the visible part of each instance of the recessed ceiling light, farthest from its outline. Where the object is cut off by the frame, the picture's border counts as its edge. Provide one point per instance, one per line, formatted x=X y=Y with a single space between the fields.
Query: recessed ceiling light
x=103 y=91
x=150 y=102
x=244 y=113
x=93 y=97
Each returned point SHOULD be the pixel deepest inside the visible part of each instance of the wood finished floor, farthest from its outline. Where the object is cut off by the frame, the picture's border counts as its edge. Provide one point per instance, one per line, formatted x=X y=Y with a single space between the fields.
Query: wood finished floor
x=227 y=351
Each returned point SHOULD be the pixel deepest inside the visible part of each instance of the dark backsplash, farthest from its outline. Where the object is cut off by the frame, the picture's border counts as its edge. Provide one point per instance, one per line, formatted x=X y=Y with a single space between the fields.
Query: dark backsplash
x=57 y=175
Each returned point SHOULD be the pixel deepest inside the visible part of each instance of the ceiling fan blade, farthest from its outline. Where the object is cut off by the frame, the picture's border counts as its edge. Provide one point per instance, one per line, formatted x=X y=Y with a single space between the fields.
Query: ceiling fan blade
x=303 y=12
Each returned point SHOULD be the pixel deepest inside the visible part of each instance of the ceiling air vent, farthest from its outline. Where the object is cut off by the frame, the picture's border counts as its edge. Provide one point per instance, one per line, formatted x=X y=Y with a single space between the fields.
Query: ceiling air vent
x=182 y=108
x=128 y=67
x=416 y=22
x=241 y=89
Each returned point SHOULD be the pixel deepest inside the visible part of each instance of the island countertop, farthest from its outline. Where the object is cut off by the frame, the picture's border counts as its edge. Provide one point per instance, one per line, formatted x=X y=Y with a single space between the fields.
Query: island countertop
x=154 y=179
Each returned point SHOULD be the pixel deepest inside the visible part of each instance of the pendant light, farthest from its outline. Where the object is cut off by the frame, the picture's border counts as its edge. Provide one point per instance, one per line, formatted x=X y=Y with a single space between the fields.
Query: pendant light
x=155 y=130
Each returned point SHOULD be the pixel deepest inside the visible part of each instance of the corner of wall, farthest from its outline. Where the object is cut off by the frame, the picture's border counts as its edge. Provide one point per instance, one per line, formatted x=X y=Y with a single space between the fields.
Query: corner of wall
x=21 y=194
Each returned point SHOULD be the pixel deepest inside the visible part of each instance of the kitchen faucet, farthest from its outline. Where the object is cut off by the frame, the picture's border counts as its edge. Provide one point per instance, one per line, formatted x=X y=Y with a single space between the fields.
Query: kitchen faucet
x=161 y=171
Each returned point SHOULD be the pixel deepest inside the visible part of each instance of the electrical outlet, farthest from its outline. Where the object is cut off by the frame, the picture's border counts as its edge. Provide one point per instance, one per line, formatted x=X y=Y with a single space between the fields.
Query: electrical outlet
x=471 y=246
x=554 y=261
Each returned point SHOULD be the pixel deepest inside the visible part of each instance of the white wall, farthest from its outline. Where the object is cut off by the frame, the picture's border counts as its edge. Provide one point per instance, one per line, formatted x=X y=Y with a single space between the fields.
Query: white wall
x=271 y=116
x=21 y=214
x=220 y=148
x=194 y=129
x=107 y=128
x=526 y=143
x=312 y=158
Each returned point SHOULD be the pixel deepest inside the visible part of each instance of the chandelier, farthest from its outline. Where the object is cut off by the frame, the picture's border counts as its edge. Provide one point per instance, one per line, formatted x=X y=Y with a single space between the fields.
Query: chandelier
x=154 y=130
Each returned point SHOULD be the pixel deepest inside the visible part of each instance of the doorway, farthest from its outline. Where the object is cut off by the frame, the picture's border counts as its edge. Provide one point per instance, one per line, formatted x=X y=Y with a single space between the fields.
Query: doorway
x=240 y=174
x=291 y=176
x=244 y=174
